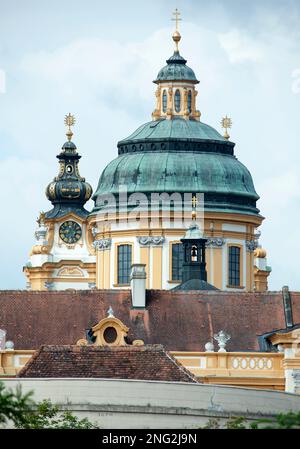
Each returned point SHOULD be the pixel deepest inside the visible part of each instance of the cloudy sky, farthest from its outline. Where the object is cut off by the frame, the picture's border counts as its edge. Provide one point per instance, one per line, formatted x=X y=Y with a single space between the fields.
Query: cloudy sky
x=97 y=59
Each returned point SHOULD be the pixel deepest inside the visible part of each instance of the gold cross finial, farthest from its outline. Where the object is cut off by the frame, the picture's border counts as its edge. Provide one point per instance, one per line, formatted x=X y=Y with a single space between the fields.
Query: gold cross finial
x=194 y=204
x=176 y=35
x=226 y=124
x=177 y=19
x=69 y=121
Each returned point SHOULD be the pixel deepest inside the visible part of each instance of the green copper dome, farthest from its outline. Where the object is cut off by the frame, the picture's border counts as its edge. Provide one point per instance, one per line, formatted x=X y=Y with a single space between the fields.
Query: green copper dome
x=68 y=192
x=177 y=153
x=176 y=70
x=177 y=172
x=177 y=128
x=180 y=162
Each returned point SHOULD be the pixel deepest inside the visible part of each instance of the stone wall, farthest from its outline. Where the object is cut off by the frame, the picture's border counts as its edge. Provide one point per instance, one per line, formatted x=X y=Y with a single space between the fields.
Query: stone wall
x=144 y=404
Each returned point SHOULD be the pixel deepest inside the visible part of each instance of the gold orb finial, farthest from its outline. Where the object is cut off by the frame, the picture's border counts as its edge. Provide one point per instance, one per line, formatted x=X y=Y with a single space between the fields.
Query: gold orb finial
x=176 y=35
x=69 y=121
x=226 y=124
x=194 y=206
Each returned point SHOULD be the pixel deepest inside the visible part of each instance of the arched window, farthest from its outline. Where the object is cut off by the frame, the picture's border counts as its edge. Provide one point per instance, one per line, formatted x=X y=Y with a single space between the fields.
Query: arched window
x=177 y=261
x=177 y=101
x=164 y=101
x=189 y=101
x=194 y=254
x=124 y=264
x=234 y=266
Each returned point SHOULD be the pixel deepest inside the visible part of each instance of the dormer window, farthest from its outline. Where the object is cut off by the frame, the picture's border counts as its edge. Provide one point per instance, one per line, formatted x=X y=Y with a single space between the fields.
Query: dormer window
x=164 y=101
x=177 y=101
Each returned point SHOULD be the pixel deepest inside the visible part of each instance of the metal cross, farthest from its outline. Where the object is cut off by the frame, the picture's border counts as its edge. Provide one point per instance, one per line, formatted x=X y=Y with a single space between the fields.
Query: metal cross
x=177 y=18
x=194 y=201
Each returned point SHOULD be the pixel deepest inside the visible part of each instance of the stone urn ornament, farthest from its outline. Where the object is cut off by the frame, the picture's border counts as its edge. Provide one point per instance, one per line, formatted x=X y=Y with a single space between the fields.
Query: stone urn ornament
x=222 y=338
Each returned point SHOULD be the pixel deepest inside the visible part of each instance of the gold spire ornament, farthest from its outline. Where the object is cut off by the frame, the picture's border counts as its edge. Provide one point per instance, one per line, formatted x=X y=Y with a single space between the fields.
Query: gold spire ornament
x=226 y=124
x=194 y=204
x=176 y=35
x=69 y=121
x=41 y=218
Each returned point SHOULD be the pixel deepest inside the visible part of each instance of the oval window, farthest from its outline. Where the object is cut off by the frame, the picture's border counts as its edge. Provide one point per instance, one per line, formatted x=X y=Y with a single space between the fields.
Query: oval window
x=110 y=335
x=189 y=101
x=164 y=101
x=69 y=169
x=177 y=101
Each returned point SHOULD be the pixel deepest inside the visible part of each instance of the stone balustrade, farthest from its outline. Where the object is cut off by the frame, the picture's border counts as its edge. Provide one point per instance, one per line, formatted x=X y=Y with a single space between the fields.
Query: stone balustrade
x=253 y=369
x=12 y=361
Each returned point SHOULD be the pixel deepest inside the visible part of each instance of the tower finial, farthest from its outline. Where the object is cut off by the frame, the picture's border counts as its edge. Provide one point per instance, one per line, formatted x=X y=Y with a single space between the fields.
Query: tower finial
x=226 y=124
x=69 y=121
x=176 y=35
x=194 y=205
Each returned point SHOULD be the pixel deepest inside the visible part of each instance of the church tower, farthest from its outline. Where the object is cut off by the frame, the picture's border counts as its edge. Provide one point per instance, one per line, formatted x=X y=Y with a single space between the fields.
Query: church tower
x=177 y=155
x=63 y=257
x=143 y=198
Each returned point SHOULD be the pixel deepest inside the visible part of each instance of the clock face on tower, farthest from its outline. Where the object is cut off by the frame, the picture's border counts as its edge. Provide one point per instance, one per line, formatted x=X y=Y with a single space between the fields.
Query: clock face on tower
x=70 y=232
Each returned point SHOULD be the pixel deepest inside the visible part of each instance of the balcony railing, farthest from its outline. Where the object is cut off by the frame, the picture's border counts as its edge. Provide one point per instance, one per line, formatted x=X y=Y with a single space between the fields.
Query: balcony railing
x=256 y=368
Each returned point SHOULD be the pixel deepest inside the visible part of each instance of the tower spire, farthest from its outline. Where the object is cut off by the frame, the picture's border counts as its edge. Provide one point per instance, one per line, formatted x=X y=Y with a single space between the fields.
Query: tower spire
x=69 y=121
x=226 y=124
x=176 y=35
x=68 y=192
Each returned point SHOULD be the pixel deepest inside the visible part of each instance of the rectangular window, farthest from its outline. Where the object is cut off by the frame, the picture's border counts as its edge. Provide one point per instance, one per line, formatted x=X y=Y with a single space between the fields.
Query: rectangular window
x=177 y=261
x=124 y=264
x=234 y=269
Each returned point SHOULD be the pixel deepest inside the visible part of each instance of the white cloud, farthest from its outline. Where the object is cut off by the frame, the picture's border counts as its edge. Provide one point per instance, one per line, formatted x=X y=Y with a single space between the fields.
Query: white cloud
x=240 y=47
x=21 y=197
x=107 y=85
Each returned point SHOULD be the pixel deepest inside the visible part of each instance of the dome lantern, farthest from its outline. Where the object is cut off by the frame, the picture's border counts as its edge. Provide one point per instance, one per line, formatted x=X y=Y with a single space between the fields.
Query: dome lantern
x=176 y=93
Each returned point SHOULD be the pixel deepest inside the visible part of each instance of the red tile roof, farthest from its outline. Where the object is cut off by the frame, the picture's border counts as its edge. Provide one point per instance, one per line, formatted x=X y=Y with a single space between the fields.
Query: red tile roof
x=180 y=321
x=119 y=362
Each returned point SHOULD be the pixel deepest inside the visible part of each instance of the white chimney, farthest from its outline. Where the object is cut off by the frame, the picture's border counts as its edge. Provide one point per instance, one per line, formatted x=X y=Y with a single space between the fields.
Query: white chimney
x=138 y=285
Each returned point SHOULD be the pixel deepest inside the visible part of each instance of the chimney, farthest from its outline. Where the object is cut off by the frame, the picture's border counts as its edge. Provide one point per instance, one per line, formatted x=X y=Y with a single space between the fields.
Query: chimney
x=138 y=285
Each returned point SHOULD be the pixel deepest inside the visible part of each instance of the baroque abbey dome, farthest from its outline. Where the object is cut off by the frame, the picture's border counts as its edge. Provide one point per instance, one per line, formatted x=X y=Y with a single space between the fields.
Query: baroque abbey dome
x=181 y=155
x=176 y=152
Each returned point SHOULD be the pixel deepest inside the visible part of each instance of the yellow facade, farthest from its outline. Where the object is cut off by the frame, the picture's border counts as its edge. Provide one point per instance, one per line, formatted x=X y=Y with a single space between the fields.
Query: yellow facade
x=217 y=226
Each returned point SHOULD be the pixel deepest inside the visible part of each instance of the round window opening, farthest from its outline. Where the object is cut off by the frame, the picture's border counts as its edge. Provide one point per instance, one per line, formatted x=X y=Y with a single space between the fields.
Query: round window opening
x=69 y=169
x=110 y=335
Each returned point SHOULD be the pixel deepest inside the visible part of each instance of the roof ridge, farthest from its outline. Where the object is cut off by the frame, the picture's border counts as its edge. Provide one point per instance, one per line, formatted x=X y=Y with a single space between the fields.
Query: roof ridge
x=181 y=367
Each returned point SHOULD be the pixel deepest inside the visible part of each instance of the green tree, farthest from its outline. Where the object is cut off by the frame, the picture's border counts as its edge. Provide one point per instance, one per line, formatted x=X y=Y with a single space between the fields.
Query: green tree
x=14 y=404
x=49 y=416
x=282 y=421
x=24 y=413
x=238 y=422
